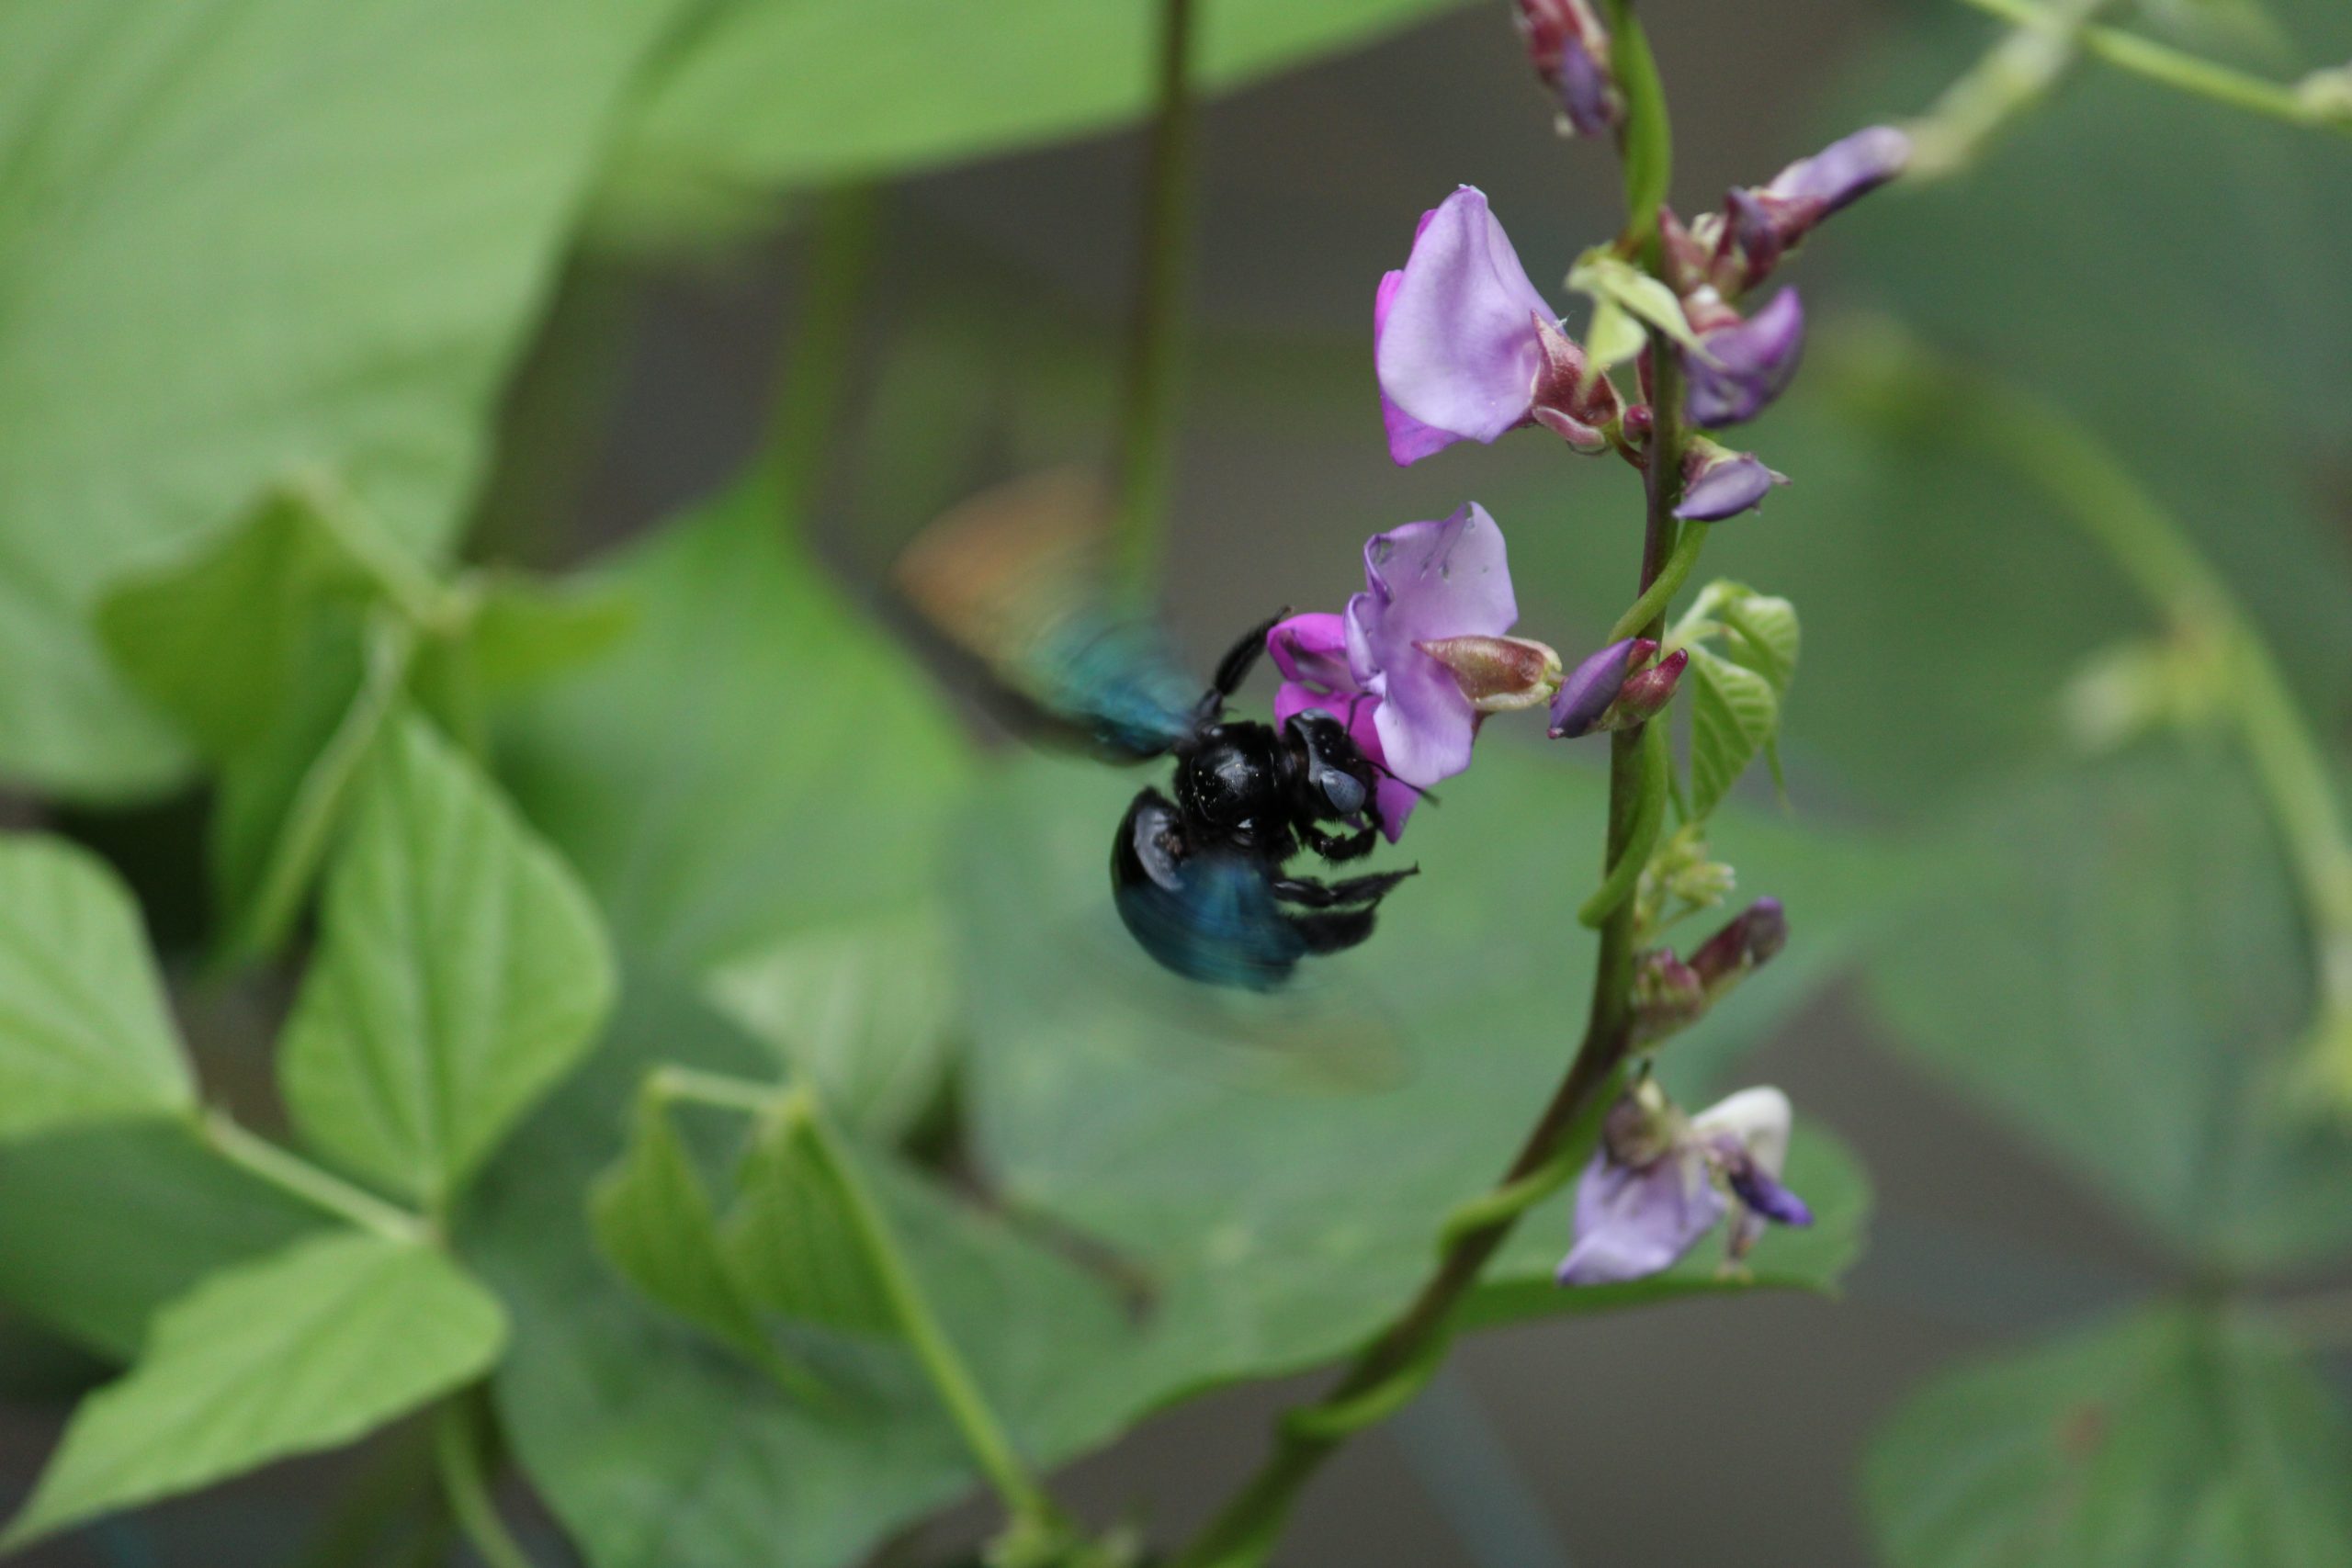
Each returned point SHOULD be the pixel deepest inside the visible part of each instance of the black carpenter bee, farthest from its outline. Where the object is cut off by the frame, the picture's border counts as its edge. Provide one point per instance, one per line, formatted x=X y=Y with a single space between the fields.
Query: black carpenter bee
x=1202 y=881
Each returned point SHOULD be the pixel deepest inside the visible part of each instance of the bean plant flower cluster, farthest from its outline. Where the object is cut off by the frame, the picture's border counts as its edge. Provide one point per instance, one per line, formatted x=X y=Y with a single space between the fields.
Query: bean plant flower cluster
x=1466 y=349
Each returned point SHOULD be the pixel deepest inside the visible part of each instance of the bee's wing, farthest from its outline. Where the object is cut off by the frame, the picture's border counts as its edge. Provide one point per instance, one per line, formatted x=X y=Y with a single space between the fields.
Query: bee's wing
x=1218 y=924
x=1013 y=578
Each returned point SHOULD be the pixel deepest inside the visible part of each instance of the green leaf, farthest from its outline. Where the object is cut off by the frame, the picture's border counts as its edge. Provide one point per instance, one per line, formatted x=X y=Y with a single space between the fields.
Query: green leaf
x=2167 y=1440
x=656 y=1452
x=654 y=1221
x=865 y=1011
x=202 y=303
x=304 y=1350
x=806 y=785
x=171 y=1210
x=874 y=87
x=85 y=1034
x=522 y=630
x=462 y=973
x=1733 y=713
x=792 y=1240
x=217 y=639
x=2114 y=961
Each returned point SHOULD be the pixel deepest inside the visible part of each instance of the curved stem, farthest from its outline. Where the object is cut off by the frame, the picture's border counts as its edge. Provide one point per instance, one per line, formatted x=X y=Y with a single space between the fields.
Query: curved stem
x=291 y=1173
x=2013 y=75
x=2187 y=73
x=1163 y=267
x=465 y=1480
x=1651 y=605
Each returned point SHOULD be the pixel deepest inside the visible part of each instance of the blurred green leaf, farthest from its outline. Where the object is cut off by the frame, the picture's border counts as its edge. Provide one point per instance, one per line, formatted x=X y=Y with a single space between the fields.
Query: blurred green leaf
x=522 y=630
x=761 y=95
x=304 y=1350
x=171 y=1212
x=806 y=783
x=2115 y=962
x=462 y=971
x=653 y=1220
x=867 y=1010
x=85 y=1034
x=792 y=1239
x=215 y=640
x=202 y=301
x=656 y=1452
x=2171 y=1438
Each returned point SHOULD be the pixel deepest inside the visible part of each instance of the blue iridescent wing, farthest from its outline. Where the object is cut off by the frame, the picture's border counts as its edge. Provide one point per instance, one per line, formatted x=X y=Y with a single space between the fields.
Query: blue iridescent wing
x=1218 y=924
x=1013 y=578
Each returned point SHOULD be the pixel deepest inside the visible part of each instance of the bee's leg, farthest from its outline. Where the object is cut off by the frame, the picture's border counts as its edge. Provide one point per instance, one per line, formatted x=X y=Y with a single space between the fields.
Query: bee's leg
x=1332 y=931
x=1336 y=847
x=1310 y=893
x=1235 y=667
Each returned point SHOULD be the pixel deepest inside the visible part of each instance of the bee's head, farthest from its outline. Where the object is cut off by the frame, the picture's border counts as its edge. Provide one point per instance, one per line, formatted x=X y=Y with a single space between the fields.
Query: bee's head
x=1331 y=778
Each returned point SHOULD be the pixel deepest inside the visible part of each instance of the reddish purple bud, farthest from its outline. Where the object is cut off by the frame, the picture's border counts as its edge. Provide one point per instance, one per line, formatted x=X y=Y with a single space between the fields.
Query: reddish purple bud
x=1645 y=695
x=1738 y=369
x=1570 y=49
x=1745 y=944
x=1761 y=225
x=1718 y=482
x=1668 y=996
x=1589 y=690
x=1572 y=399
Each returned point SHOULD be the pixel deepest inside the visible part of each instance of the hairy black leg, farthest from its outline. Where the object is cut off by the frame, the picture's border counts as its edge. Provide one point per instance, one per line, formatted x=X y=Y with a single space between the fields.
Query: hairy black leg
x=1310 y=893
x=1336 y=847
x=1241 y=658
x=1332 y=931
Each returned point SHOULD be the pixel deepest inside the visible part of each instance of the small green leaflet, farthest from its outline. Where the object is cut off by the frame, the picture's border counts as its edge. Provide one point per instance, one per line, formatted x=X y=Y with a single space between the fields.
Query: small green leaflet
x=1736 y=693
x=1626 y=299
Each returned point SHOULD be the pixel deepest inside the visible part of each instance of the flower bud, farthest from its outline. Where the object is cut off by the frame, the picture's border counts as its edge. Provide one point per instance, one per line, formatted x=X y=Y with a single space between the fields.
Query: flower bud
x=1646 y=693
x=1761 y=225
x=1668 y=996
x=1589 y=690
x=1745 y=944
x=1498 y=675
x=1570 y=49
x=1573 y=399
x=1718 y=482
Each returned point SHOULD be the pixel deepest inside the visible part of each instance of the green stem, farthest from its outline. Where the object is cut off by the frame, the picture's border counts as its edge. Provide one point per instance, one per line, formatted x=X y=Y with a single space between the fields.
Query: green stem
x=2051 y=449
x=720 y=1089
x=1163 y=268
x=2015 y=74
x=804 y=420
x=1400 y=1359
x=1032 y=1510
x=1651 y=605
x=2189 y=73
x=292 y=1174
x=457 y=1433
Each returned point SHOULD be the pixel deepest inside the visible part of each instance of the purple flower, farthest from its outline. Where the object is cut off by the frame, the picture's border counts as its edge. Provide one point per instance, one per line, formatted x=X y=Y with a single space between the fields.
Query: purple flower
x=1737 y=370
x=1454 y=333
x=1425 y=583
x=1718 y=482
x=1659 y=1183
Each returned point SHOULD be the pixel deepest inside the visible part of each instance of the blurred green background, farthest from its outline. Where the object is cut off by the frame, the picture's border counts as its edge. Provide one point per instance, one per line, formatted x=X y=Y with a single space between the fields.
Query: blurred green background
x=521 y=283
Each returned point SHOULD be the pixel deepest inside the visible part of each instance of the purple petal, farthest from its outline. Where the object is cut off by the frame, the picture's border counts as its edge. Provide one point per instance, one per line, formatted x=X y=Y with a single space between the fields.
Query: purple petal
x=1844 y=170
x=1589 y=690
x=1632 y=1221
x=1453 y=338
x=1738 y=370
x=1360 y=714
x=1763 y=1194
x=1726 y=488
x=1312 y=649
x=1427 y=582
